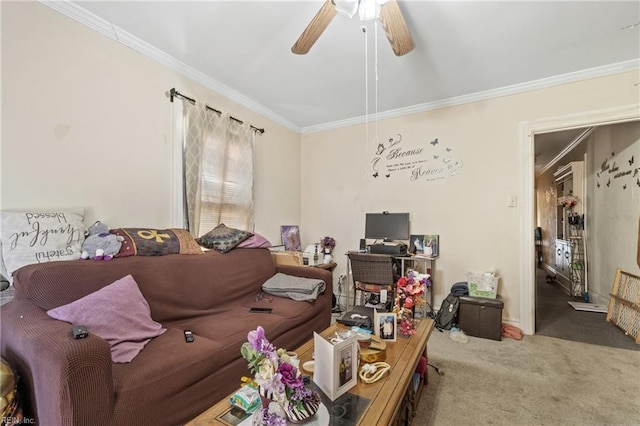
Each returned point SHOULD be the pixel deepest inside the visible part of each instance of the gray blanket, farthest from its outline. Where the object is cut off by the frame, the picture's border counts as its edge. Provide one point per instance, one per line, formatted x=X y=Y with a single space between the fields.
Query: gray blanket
x=296 y=288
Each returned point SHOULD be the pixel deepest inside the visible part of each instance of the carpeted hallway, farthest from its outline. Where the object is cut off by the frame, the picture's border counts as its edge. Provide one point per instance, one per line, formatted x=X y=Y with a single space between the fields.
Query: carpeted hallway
x=556 y=318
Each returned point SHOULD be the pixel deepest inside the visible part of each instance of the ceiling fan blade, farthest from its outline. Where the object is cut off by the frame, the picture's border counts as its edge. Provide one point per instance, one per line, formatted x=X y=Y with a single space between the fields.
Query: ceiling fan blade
x=396 y=28
x=315 y=28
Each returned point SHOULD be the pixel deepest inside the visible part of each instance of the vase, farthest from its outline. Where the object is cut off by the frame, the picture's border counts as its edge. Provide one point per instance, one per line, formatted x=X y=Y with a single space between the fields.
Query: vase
x=270 y=412
x=300 y=413
x=327 y=258
x=406 y=322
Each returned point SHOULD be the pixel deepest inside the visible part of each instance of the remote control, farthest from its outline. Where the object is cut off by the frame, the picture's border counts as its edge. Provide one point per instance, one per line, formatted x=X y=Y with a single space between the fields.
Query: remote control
x=261 y=310
x=79 y=331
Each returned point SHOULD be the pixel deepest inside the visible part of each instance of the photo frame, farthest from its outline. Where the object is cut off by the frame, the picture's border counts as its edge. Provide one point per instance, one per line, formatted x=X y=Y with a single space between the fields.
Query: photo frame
x=433 y=241
x=416 y=244
x=291 y=237
x=336 y=365
x=385 y=326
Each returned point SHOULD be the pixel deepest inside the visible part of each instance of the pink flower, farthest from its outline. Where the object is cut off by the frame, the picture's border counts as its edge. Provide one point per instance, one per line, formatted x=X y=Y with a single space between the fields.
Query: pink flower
x=402 y=282
x=408 y=302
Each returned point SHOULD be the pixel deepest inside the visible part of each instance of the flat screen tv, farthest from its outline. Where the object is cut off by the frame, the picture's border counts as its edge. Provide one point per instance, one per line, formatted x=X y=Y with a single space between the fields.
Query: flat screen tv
x=387 y=226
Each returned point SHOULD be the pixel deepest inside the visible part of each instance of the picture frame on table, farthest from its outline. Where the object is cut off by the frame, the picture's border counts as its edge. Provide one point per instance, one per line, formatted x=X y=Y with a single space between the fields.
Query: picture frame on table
x=336 y=365
x=416 y=244
x=432 y=241
x=385 y=325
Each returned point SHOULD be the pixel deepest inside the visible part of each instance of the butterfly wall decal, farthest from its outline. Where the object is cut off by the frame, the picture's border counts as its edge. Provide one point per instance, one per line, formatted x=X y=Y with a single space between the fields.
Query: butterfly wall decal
x=624 y=186
x=609 y=183
x=631 y=161
x=638 y=181
x=434 y=142
x=375 y=175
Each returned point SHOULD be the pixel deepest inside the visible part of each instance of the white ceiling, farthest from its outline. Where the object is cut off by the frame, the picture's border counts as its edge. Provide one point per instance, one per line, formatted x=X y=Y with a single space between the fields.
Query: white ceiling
x=463 y=51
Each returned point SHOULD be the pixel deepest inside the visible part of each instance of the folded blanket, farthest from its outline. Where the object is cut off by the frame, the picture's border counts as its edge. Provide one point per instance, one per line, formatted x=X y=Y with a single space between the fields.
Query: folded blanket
x=296 y=288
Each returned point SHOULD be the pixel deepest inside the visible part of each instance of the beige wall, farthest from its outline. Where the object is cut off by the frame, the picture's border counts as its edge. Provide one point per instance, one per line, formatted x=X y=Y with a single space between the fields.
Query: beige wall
x=468 y=210
x=86 y=123
x=612 y=210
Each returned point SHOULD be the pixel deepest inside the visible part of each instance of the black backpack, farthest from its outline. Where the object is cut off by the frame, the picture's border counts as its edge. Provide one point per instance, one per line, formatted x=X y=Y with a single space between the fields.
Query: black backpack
x=448 y=313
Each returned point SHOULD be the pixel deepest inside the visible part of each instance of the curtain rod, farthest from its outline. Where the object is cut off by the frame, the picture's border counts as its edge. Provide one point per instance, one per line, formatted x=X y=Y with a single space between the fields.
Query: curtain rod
x=174 y=93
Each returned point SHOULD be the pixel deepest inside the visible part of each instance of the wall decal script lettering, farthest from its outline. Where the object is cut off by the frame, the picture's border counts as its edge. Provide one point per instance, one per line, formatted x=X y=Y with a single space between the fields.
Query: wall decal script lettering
x=430 y=160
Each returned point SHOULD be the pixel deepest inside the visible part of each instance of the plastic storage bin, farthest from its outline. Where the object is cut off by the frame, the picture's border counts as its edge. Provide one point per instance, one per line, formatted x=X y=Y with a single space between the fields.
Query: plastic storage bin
x=483 y=285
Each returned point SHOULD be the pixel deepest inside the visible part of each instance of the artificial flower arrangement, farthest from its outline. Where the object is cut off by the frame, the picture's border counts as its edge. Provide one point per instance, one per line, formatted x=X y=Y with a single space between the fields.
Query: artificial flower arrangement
x=409 y=293
x=568 y=201
x=327 y=244
x=279 y=383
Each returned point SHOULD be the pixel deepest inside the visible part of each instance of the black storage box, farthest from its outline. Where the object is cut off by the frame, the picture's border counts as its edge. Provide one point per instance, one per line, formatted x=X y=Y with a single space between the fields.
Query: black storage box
x=481 y=316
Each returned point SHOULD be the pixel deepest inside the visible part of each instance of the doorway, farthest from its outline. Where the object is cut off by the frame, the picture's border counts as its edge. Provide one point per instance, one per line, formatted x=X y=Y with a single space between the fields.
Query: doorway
x=527 y=192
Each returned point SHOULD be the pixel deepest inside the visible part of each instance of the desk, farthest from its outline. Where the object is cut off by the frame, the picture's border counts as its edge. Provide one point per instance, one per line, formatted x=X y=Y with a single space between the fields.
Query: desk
x=405 y=262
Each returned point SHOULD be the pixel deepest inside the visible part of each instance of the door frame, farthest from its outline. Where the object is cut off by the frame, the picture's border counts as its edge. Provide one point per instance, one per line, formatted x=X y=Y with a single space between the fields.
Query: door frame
x=528 y=130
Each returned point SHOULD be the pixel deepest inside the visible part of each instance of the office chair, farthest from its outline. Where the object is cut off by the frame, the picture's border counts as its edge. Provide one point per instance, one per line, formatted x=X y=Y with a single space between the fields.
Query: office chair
x=372 y=273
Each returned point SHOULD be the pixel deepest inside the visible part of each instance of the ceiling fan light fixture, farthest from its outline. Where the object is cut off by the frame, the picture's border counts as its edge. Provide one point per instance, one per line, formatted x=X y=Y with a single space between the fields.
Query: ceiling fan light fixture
x=347 y=8
x=369 y=9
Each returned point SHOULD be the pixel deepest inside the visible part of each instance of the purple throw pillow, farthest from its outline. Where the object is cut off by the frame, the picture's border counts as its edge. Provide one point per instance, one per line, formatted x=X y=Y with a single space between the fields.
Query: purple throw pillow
x=118 y=313
x=256 y=241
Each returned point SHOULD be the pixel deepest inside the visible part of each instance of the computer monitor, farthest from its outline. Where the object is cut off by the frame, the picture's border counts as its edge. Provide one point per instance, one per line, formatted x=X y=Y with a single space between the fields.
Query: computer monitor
x=387 y=226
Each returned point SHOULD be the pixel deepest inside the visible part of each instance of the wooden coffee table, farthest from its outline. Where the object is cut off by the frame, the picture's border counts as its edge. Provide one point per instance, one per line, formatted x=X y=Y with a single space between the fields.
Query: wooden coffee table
x=391 y=401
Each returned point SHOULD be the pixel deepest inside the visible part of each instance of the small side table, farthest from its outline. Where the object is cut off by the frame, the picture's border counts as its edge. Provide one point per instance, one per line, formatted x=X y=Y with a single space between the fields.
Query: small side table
x=329 y=267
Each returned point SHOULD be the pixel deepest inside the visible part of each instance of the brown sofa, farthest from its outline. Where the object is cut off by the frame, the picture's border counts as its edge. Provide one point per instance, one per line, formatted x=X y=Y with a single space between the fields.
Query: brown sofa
x=74 y=382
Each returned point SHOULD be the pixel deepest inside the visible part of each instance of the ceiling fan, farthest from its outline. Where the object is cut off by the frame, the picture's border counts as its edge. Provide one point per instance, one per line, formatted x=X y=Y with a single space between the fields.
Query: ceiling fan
x=390 y=17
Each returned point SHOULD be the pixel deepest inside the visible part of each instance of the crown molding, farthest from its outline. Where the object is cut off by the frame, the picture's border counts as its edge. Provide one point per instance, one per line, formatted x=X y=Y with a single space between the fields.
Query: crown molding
x=543 y=83
x=96 y=23
x=121 y=36
x=567 y=149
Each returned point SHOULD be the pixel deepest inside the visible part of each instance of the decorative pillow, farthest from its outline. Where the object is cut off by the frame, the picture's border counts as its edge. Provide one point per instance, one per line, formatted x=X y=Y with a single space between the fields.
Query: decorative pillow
x=156 y=242
x=41 y=236
x=256 y=241
x=118 y=313
x=223 y=238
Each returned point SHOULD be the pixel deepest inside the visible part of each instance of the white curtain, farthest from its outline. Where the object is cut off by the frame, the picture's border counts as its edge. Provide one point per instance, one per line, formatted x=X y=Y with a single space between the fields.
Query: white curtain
x=218 y=170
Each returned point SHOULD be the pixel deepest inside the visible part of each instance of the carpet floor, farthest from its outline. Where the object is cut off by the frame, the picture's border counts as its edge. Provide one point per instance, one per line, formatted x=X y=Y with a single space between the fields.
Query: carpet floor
x=539 y=380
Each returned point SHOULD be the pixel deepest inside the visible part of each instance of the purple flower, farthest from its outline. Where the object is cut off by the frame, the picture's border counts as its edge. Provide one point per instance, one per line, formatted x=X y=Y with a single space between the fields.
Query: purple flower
x=258 y=341
x=272 y=419
x=289 y=375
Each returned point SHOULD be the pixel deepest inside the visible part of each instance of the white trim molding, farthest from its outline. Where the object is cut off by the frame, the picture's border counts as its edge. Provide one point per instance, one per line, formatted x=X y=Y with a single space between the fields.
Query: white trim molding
x=543 y=83
x=121 y=36
x=111 y=31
